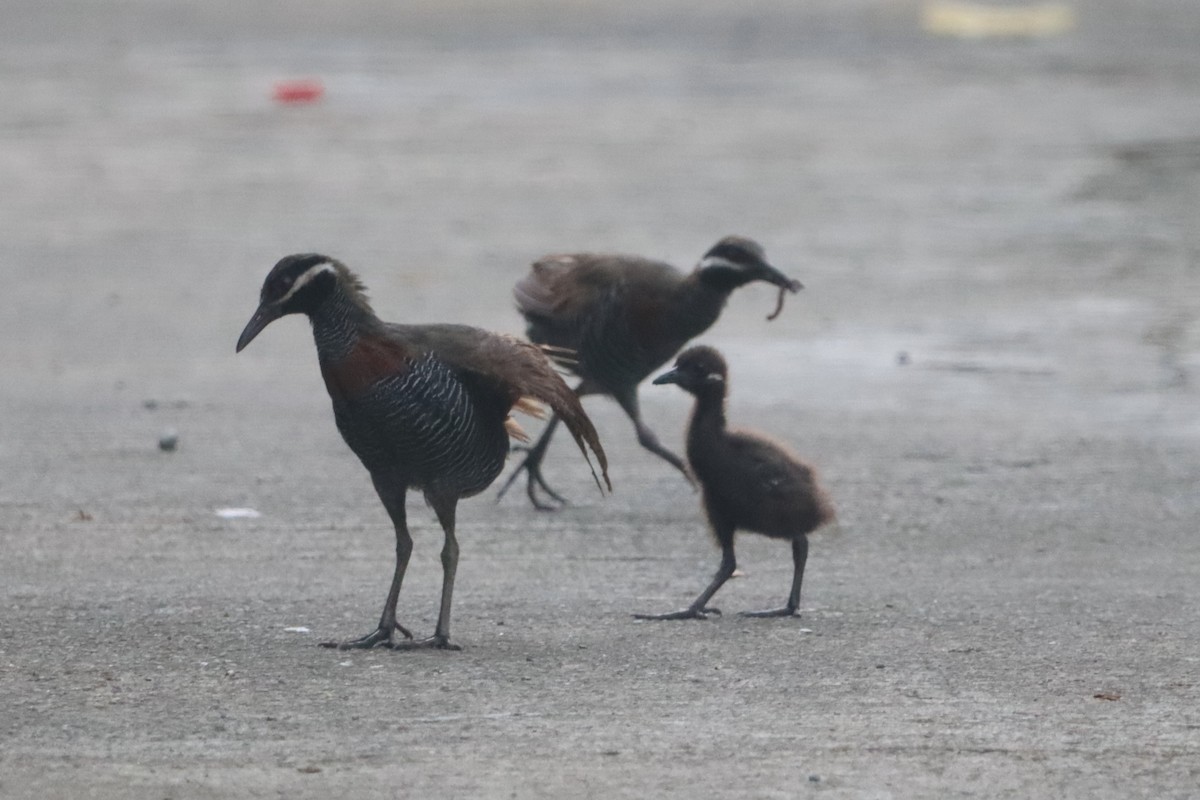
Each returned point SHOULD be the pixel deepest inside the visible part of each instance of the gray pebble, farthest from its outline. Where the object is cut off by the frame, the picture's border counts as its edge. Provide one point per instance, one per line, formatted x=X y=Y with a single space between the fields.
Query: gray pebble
x=168 y=441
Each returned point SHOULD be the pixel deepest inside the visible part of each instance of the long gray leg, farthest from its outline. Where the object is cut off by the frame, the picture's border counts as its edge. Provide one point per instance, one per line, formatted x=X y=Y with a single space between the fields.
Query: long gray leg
x=699 y=608
x=383 y=635
x=628 y=401
x=799 y=558
x=445 y=508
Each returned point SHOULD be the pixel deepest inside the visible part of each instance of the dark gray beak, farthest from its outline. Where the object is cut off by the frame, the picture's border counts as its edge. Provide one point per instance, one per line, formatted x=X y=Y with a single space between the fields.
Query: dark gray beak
x=667 y=377
x=264 y=316
x=774 y=276
x=785 y=284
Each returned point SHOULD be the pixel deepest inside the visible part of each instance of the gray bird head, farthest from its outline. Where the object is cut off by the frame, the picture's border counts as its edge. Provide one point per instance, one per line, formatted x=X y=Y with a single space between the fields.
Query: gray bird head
x=699 y=370
x=296 y=285
x=736 y=260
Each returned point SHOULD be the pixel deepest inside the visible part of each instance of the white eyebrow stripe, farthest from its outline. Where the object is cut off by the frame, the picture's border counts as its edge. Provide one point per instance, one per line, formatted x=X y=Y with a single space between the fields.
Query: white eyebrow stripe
x=307 y=277
x=719 y=261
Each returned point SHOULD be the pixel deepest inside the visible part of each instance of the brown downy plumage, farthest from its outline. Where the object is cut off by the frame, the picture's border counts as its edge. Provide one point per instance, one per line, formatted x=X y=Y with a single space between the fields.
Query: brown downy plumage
x=618 y=318
x=423 y=406
x=749 y=482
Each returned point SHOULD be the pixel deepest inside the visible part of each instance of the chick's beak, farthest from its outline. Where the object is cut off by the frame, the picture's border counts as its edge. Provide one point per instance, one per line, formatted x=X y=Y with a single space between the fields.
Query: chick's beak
x=263 y=316
x=671 y=376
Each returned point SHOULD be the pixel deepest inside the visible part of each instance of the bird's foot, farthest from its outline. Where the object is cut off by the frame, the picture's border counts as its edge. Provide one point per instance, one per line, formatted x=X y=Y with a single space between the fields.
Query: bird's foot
x=380 y=637
x=531 y=466
x=687 y=613
x=771 y=612
x=536 y=480
x=438 y=641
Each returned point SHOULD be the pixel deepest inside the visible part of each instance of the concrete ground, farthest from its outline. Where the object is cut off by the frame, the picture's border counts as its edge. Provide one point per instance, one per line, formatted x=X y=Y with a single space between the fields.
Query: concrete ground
x=995 y=363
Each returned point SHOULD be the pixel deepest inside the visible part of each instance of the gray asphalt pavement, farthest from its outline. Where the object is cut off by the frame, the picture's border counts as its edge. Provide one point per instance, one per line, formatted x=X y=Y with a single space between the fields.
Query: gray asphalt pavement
x=995 y=364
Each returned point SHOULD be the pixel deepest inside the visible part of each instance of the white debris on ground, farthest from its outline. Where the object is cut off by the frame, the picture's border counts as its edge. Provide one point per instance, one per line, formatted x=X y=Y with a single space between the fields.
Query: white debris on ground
x=237 y=513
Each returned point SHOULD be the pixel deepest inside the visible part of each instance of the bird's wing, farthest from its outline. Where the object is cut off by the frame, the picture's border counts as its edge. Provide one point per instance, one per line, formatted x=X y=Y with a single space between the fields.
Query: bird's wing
x=563 y=289
x=607 y=308
x=515 y=367
x=771 y=467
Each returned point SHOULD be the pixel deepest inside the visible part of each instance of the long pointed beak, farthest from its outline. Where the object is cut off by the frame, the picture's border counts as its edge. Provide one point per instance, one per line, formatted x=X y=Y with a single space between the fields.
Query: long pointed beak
x=263 y=316
x=667 y=377
x=774 y=276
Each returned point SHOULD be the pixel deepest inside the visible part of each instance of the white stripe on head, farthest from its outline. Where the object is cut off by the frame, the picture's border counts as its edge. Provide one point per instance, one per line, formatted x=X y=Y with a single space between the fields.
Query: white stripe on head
x=709 y=262
x=307 y=277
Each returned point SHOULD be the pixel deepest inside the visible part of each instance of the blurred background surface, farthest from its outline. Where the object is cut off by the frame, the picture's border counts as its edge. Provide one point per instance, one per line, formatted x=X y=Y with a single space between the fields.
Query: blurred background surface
x=994 y=362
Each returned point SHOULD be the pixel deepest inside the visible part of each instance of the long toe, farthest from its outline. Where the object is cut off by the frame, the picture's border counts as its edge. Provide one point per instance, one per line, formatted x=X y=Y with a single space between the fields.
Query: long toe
x=540 y=504
x=772 y=612
x=687 y=613
x=535 y=476
x=376 y=638
x=534 y=481
x=435 y=642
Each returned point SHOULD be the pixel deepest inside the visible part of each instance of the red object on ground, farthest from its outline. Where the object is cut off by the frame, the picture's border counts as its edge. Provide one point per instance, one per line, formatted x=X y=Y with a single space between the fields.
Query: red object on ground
x=298 y=91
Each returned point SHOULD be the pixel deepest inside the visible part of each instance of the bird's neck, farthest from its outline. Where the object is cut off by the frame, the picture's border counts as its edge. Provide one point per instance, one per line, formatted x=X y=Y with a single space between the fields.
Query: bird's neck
x=338 y=321
x=708 y=419
x=722 y=279
x=700 y=303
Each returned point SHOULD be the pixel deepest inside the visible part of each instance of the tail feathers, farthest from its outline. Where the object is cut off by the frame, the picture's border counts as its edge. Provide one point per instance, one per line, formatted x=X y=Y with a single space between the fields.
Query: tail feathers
x=562 y=356
x=528 y=375
x=570 y=411
x=514 y=430
x=530 y=407
x=526 y=405
x=825 y=509
x=536 y=379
